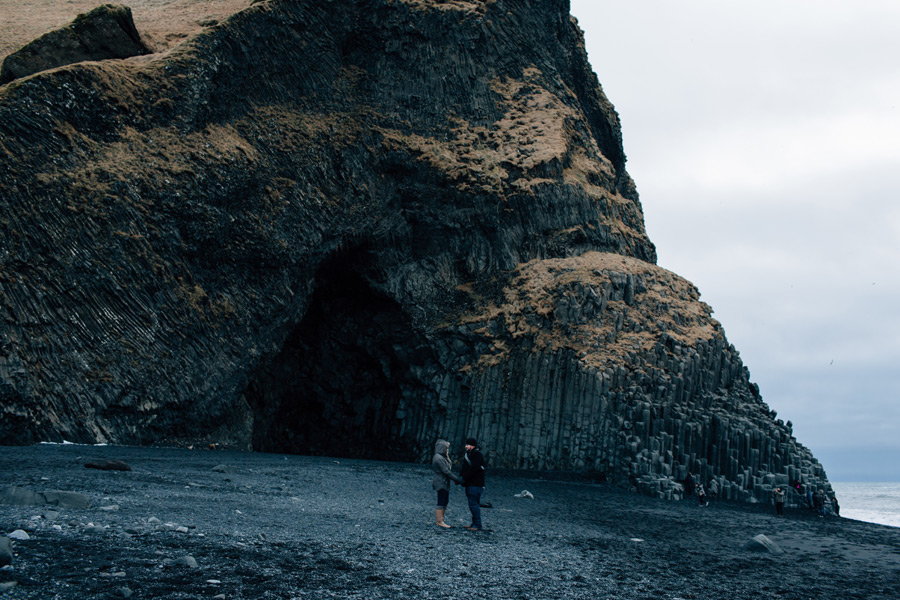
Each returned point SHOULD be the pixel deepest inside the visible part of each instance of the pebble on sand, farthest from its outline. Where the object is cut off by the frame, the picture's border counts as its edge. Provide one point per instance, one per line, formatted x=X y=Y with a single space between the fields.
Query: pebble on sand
x=185 y=561
x=91 y=528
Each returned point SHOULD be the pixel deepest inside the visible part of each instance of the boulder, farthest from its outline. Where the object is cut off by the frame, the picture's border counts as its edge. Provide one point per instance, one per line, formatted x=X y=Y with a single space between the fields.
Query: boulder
x=108 y=31
x=22 y=496
x=107 y=465
x=18 y=496
x=185 y=561
x=6 y=555
x=64 y=499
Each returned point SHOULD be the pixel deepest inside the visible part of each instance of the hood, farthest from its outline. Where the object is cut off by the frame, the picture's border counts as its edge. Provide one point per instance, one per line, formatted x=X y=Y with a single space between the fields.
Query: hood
x=441 y=447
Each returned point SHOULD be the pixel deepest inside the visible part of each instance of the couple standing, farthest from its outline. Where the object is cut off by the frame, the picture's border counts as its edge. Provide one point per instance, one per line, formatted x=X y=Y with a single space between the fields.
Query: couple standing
x=471 y=475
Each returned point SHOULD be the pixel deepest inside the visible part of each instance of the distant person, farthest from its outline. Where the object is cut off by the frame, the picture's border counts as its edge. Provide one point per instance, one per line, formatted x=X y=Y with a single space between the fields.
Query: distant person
x=472 y=473
x=701 y=495
x=779 y=501
x=835 y=506
x=688 y=485
x=819 y=502
x=443 y=475
x=809 y=499
x=713 y=489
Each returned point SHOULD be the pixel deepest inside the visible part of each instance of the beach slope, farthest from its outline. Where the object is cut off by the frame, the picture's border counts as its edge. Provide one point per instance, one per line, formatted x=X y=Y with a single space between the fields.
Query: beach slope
x=220 y=524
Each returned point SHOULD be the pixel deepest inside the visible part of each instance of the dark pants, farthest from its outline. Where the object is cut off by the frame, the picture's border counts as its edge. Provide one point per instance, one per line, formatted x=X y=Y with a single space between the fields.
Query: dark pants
x=473 y=493
x=779 y=509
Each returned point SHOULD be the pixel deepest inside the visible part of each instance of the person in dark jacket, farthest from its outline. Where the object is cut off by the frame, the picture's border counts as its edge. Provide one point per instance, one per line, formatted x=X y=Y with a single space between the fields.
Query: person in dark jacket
x=472 y=473
x=819 y=502
x=443 y=475
x=779 y=501
x=688 y=485
x=701 y=495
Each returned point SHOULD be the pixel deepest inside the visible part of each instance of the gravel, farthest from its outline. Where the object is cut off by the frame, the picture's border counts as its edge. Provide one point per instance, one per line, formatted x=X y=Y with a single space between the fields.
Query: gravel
x=237 y=525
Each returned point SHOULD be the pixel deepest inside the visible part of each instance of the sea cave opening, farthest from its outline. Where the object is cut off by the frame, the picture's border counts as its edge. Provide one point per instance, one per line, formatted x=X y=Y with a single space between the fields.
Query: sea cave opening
x=346 y=381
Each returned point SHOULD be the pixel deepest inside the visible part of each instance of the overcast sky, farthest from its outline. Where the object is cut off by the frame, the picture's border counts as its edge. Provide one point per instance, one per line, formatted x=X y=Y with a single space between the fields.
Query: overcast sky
x=764 y=139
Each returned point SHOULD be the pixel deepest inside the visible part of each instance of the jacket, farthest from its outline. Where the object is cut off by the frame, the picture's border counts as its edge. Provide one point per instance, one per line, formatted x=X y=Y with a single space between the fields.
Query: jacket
x=472 y=471
x=440 y=464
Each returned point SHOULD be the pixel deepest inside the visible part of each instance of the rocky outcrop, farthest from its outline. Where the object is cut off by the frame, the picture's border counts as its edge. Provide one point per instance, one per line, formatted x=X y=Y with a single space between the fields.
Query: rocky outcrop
x=351 y=228
x=106 y=32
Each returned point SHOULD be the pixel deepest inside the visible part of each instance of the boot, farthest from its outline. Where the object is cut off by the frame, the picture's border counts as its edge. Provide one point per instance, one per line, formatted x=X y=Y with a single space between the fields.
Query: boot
x=439 y=515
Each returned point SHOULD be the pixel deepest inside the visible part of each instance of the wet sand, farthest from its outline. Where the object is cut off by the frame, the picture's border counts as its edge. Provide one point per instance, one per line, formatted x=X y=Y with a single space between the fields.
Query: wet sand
x=274 y=526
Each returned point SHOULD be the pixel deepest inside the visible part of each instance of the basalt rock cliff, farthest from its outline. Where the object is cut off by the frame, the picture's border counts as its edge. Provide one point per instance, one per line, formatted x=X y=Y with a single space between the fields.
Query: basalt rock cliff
x=351 y=227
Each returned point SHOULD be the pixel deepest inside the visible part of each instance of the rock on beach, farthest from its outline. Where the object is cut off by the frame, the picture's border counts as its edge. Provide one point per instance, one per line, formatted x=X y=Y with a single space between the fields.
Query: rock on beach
x=6 y=555
x=24 y=496
x=761 y=543
x=107 y=465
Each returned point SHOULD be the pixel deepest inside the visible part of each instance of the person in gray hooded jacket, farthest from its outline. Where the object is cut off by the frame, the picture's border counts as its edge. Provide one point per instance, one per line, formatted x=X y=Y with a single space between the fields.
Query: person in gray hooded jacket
x=443 y=475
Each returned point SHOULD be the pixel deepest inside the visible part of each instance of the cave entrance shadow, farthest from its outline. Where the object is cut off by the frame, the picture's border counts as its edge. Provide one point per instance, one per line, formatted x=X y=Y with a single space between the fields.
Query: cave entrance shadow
x=347 y=380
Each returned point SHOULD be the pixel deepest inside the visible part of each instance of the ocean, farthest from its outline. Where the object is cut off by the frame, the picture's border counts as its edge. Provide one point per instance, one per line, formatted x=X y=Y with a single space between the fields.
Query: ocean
x=875 y=502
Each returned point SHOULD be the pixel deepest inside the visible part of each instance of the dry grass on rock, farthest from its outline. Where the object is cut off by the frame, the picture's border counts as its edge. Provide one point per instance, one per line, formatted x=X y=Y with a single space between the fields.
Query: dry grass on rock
x=161 y=23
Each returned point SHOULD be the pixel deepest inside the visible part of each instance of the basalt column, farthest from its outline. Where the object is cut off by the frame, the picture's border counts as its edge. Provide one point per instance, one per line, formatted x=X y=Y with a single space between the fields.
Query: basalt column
x=606 y=364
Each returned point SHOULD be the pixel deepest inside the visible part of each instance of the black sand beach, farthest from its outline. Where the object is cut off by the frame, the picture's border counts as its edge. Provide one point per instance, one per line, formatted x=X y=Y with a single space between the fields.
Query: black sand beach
x=220 y=524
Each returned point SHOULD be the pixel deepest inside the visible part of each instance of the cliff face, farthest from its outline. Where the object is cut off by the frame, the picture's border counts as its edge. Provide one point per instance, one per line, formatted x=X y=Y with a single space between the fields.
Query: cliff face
x=351 y=227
